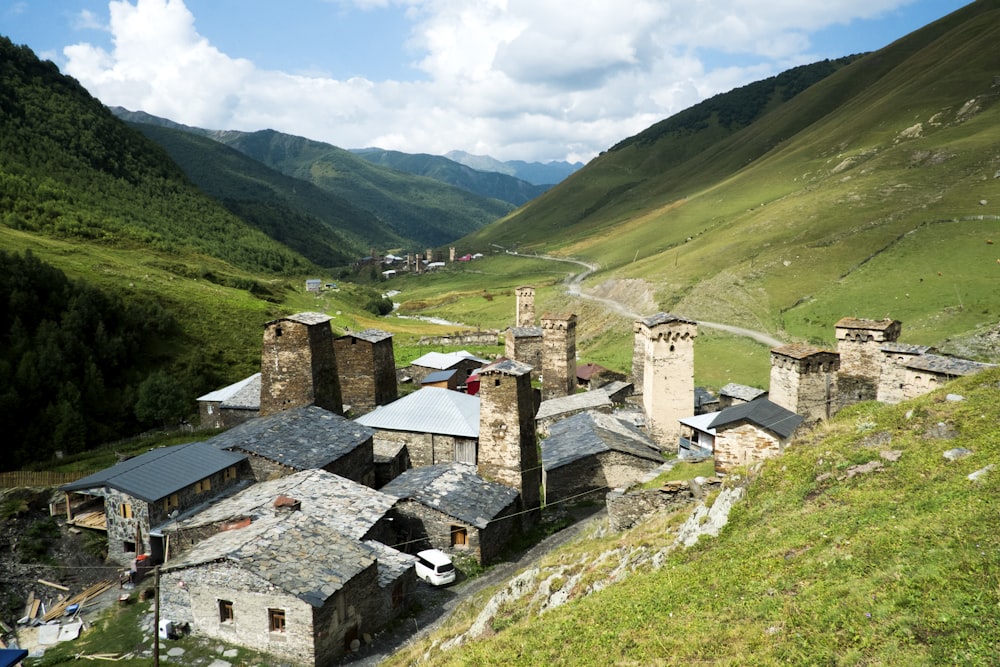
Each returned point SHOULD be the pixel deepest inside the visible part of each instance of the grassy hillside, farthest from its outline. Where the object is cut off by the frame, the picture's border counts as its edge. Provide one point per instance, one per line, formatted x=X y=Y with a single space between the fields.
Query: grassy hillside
x=821 y=563
x=872 y=192
x=425 y=212
x=489 y=184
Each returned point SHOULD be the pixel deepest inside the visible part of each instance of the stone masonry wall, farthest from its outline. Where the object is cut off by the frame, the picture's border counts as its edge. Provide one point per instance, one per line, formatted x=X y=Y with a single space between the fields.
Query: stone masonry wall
x=526 y=349
x=298 y=367
x=558 y=356
x=424 y=448
x=744 y=444
x=627 y=509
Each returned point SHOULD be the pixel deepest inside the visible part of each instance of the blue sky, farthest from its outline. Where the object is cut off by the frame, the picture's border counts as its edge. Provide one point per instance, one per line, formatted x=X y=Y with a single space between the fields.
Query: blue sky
x=515 y=79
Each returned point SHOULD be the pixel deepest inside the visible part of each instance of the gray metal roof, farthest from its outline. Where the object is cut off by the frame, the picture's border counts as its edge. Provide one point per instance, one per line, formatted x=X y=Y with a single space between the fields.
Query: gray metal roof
x=761 y=412
x=428 y=410
x=741 y=391
x=454 y=489
x=228 y=392
x=156 y=474
x=950 y=366
x=351 y=508
x=701 y=422
x=584 y=400
x=438 y=376
x=445 y=360
x=300 y=556
x=300 y=438
x=590 y=433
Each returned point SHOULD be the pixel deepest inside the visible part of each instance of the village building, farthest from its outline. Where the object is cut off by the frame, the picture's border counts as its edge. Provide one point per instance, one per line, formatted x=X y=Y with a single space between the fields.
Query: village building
x=859 y=343
x=287 y=586
x=736 y=394
x=926 y=372
x=298 y=365
x=804 y=380
x=366 y=365
x=449 y=506
x=665 y=343
x=751 y=432
x=525 y=306
x=893 y=377
x=697 y=436
x=554 y=410
x=705 y=401
x=443 y=380
x=591 y=453
x=595 y=376
x=524 y=344
x=303 y=438
x=232 y=405
x=464 y=363
x=434 y=425
x=558 y=355
x=132 y=500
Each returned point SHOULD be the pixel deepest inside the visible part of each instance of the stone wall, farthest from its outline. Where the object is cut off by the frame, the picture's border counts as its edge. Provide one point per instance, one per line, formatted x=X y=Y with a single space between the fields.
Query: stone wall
x=358 y=465
x=558 y=355
x=593 y=475
x=367 y=373
x=668 y=375
x=525 y=315
x=806 y=385
x=424 y=448
x=420 y=527
x=627 y=509
x=744 y=444
x=459 y=338
x=298 y=365
x=526 y=349
x=852 y=389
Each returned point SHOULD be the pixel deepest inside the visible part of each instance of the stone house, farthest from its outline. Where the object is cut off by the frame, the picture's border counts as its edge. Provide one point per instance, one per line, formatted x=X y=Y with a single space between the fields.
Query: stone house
x=434 y=425
x=592 y=452
x=735 y=394
x=232 y=405
x=524 y=344
x=366 y=365
x=697 y=436
x=287 y=586
x=448 y=506
x=751 y=432
x=893 y=377
x=443 y=380
x=595 y=376
x=463 y=362
x=859 y=343
x=804 y=380
x=924 y=373
x=303 y=438
x=554 y=410
x=132 y=500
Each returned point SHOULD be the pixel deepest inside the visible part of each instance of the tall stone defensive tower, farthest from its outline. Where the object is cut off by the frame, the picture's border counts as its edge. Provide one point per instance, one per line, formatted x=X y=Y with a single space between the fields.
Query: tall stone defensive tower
x=298 y=365
x=367 y=369
x=508 y=446
x=668 y=373
x=859 y=343
x=804 y=380
x=525 y=306
x=558 y=355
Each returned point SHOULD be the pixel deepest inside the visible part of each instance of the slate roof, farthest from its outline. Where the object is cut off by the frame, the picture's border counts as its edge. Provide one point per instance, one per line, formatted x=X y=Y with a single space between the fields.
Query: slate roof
x=156 y=474
x=950 y=366
x=591 y=433
x=304 y=318
x=247 y=398
x=763 y=413
x=741 y=391
x=300 y=438
x=428 y=410
x=526 y=332
x=369 y=335
x=445 y=360
x=226 y=393
x=454 y=489
x=905 y=348
x=663 y=318
x=351 y=508
x=507 y=367
x=585 y=400
x=800 y=351
x=304 y=558
x=860 y=323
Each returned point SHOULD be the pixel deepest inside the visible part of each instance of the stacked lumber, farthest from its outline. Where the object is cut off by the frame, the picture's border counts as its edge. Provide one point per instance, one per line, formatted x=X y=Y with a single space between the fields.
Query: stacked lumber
x=60 y=608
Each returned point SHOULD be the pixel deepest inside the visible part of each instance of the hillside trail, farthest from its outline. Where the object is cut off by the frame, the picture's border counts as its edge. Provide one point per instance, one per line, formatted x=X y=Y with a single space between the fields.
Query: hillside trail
x=574 y=287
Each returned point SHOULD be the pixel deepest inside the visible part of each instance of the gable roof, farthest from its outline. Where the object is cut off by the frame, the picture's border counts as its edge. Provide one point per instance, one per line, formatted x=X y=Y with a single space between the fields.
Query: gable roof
x=369 y=335
x=428 y=410
x=228 y=392
x=526 y=332
x=154 y=475
x=300 y=438
x=438 y=376
x=950 y=366
x=701 y=423
x=454 y=489
x=761 y=412
x=585 y=372
x=584 y=400
x=741 y=391
x=304 y=558
x=445 y=360
x=590 y=433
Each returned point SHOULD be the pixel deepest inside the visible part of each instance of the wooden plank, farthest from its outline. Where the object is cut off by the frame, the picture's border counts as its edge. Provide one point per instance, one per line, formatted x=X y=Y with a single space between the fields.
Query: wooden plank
x=35 y=605
x=53 y=584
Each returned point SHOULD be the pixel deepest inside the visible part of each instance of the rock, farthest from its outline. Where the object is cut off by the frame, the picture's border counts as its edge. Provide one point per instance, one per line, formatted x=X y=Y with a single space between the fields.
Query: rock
x=220 y=663
x=980 y=474
x=864 y=468
x=891 y=455
x=175 y=652
x=230 y=653
x=957 y=453
x=941 y=431
x=954 y=398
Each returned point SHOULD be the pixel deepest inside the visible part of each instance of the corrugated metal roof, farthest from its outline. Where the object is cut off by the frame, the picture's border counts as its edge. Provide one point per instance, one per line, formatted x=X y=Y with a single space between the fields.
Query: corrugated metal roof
x=300 y=438
x=761 y=412
x=445 y=360
x=428 y=410
x=156 y=474
x=701 y=422
x=454 y=489
x=228 y=392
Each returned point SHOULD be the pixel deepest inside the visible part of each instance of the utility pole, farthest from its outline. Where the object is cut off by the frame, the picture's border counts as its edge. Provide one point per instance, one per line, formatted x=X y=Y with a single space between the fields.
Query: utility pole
x=156 y=616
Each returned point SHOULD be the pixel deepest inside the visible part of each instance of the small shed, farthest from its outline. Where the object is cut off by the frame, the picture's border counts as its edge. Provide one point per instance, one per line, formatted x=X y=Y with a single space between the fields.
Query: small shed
x=751 y=432
x=441 y=379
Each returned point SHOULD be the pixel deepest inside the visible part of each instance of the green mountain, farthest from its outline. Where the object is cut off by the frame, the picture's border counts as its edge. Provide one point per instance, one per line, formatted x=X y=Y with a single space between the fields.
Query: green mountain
x=489 y=184
x=539 y=173
x=863 y=187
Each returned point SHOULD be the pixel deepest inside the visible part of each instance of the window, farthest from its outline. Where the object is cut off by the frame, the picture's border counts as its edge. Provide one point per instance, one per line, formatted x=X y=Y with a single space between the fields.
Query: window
x=170 y=502
x=226 y=611
x=276 y=620
x=229 y=473
x=125 y=510
x=203 y=486
x=459 y=536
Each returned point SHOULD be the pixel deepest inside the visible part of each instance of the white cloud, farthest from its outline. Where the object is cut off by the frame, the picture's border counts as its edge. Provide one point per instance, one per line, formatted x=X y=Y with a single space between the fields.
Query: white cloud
x=527 y=79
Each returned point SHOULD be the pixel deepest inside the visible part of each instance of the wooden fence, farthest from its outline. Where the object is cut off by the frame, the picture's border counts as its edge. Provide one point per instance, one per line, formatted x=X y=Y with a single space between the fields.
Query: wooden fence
x=37 y=479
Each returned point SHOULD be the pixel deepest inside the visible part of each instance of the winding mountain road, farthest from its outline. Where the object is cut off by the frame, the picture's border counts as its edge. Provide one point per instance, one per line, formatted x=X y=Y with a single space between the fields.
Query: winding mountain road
x=574 y=287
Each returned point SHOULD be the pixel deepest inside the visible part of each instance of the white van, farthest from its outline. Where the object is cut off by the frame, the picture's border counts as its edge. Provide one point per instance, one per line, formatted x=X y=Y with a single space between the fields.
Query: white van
x=434 y=567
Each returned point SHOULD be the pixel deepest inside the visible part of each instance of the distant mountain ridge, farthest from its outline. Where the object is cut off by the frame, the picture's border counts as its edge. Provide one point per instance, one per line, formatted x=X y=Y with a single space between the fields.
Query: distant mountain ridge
x=538 y=173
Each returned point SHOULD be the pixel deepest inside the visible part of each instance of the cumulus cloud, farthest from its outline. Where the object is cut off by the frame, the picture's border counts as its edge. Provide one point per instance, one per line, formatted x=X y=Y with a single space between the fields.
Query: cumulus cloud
x=525 y=79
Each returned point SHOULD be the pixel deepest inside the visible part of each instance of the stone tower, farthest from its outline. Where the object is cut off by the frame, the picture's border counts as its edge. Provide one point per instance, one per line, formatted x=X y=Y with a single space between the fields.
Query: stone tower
x=558 y=355
x=667 y=373
x=367 y=370
x=859 y=344
x=508 y=446
x=804 y=380
x=525 y=306
x=298 y=365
